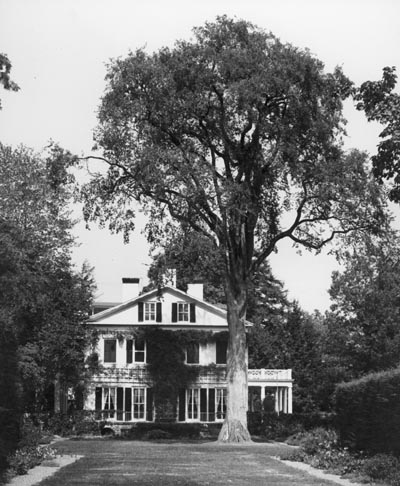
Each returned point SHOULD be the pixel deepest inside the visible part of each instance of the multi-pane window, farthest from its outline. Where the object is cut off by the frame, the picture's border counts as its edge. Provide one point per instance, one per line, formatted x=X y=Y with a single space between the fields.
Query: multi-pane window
x=183 y=312
x=110 y=350
x=109 y=401
x=124 y=403
x=203 y=404
x=193 y=404
x=192 y=353
x=220 y=403
x=135 y=349
x=150 y=311
x=140 y=351
x=139 y=403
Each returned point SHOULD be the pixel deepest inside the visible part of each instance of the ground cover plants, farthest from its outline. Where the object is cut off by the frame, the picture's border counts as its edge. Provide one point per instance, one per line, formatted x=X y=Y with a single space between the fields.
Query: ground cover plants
x=320 y=448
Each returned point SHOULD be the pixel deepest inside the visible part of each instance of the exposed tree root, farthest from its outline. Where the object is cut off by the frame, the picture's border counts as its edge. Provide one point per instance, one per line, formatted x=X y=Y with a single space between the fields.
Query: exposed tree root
x=234 y=432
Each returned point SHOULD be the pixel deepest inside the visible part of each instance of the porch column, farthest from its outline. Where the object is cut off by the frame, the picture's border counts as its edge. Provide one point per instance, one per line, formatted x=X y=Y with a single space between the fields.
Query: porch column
x=290 y=400
x=285 y=399
x=277 y=400
x=262 y=397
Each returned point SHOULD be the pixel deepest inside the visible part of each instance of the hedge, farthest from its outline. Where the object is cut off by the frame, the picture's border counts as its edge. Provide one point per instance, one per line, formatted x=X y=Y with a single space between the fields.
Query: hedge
x=273 y=426
x=368 y=412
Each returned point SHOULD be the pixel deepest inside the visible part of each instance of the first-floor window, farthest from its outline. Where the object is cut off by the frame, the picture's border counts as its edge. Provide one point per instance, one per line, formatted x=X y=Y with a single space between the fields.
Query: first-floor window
x=193 y=404
x=109 y=401
x=139 y=403
x=204 y=404
x=124 y=403
x=220 y=407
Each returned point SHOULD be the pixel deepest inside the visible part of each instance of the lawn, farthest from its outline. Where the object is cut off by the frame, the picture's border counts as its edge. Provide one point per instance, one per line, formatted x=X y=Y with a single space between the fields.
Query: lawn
x=118 y=462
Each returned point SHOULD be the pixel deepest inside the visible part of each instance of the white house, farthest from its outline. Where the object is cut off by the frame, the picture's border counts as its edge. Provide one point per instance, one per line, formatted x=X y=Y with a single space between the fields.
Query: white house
x=122 y=391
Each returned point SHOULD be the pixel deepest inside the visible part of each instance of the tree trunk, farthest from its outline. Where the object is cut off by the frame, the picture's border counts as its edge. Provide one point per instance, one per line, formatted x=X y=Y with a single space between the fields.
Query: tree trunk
x=234 y=428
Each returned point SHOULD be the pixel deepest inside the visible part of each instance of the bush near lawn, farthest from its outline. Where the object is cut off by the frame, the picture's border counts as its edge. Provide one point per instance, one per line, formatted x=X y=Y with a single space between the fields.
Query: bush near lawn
x=171 y=430
x=320 y=448
x=80 y=422
x=29 y=452
x=10 y=434
x=368 y=412
x=272 y=426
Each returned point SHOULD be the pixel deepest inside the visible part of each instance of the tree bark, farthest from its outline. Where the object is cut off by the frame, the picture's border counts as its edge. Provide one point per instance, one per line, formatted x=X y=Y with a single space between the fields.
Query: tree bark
x=234 y=429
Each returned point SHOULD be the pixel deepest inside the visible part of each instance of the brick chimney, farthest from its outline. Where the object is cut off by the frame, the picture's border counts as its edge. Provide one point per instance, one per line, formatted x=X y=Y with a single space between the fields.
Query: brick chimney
x=196 y=290
x=130 y=288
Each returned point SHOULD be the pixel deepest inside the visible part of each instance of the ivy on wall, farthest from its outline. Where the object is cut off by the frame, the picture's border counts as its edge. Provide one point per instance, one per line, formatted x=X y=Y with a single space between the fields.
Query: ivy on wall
x=166 y=361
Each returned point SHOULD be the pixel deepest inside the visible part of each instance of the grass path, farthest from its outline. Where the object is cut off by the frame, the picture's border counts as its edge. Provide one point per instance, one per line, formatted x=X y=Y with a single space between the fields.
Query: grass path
x=118 y=462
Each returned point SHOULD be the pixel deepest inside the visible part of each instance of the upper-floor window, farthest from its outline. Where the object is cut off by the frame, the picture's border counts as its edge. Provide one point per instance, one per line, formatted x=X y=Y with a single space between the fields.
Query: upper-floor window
x=192 y=353
x=150 y=311
x=135 y=351
x=221 y=349
x=110 y=350
x=183 y=312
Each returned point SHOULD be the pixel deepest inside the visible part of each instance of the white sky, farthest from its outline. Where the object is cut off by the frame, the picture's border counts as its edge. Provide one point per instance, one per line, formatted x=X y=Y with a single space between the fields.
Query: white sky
x=59 y=49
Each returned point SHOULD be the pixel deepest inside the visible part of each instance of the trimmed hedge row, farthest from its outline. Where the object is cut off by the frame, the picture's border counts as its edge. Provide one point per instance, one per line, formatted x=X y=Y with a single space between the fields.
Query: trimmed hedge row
x=368 y=412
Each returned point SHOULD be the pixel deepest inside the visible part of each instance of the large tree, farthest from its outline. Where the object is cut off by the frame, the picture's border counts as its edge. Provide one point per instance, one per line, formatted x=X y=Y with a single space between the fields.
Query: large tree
x=238 y=136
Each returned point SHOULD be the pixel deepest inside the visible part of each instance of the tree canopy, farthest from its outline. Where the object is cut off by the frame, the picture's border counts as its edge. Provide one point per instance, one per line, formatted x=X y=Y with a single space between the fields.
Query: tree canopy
x=381 y=103
x=5 y=71
x=363 y=330
x=44 y=300
x=238 y=136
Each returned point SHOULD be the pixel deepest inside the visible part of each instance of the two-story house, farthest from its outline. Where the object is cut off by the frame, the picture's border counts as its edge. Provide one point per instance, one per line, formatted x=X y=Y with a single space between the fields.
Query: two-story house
x=123 y=391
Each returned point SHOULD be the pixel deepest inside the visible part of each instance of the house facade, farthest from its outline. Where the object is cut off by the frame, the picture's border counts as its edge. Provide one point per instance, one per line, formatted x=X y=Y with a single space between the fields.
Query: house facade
x=123 y=389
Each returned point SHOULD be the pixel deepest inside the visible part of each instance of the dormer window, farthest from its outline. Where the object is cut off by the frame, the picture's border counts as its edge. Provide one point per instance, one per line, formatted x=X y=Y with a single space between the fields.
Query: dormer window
x=150 y=311
x=183 y=312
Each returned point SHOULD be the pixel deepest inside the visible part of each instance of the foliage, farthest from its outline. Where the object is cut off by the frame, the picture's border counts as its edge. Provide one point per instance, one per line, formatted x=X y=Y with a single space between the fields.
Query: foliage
x=5 y=70
x=195 y=259
x=237 y=136
x=362 y=328
x=78 y=422
x=270 y=425
x=320 y=449
x=368 y=412
x=168 y=371
x=290 y=338
x=381 y=103
x=28 y=457
x=383 y=467
x=174 y=430
x=44 y=300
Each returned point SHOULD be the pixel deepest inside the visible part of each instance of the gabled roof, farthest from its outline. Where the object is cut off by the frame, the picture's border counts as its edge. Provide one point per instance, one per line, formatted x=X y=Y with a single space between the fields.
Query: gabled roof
x=157 y=293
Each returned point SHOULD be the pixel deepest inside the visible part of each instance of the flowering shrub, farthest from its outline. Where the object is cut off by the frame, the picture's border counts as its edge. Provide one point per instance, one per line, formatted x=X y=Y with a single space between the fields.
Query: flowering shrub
x=320 y=449
x=28 y=457
x=383 y=467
